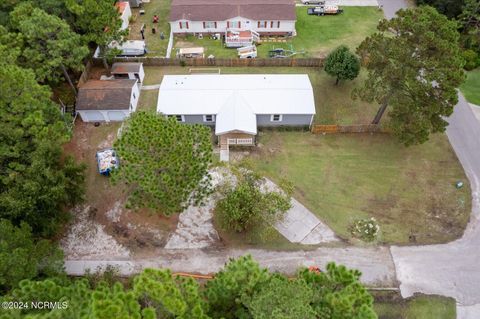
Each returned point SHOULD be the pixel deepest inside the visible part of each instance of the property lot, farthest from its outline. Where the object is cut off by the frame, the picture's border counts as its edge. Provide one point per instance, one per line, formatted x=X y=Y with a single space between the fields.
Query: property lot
x=334 y=104
x=316 y=36
x=344 y=177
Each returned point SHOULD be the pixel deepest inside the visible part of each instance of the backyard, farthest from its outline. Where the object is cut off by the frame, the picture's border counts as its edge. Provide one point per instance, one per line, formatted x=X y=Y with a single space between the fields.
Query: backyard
x=316 y=36
x=345 y=177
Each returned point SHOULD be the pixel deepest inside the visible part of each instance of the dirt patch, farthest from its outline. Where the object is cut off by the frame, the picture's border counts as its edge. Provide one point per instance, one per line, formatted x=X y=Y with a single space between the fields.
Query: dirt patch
x=135 y=231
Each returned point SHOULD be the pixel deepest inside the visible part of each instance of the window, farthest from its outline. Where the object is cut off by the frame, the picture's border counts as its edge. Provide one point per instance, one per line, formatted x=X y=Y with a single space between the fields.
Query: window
x=131 y=106
x=274 y=24
x=183 y=25
x=276 y=118
x=209 y=25
x=179 y=118
x=134 y=97
x=234 y=24
x=262 y=24
x=209 y=118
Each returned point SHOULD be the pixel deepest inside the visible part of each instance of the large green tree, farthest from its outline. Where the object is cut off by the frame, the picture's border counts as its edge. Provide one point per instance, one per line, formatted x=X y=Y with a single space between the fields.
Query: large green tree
x=342 y=64
x=35 y=182
x=164 y=163
x=450 y=8
x=414 y=66
x=50 y=47
x=24 y=257
x=171 y=297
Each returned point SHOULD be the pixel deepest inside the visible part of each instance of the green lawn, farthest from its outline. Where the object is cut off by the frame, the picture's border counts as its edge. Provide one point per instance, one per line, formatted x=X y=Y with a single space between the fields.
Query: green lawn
x=410 y=191
x=148 y=100
x=315 y=35
x=319 y=35
x=155 y=45
x=333 y=103
x=471 y=87
x=418 y=307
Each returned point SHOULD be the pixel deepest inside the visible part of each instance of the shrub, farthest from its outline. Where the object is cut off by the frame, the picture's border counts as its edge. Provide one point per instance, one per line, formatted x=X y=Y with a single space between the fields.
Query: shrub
x=247 y=204
x=365 y=229
x=472 y=59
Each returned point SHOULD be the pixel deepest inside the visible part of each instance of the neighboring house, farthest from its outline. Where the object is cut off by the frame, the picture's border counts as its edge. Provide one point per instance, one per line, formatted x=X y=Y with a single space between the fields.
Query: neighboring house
x=125 y=13
x=265 y=17
x=236 y=105
x=107 y=100
x=128 y=70
x=135 y=3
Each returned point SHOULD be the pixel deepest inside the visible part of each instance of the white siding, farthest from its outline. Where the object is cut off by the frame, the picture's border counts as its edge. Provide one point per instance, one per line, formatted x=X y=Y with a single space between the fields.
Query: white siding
x=245 y=24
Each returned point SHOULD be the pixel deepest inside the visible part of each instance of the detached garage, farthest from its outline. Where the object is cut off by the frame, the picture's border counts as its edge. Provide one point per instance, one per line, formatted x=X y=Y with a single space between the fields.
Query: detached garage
x=107 y=101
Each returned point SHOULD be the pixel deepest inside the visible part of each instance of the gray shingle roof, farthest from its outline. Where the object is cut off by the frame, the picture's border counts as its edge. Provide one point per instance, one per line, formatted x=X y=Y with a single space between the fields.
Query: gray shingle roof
x=105 y=95
x=220 y=10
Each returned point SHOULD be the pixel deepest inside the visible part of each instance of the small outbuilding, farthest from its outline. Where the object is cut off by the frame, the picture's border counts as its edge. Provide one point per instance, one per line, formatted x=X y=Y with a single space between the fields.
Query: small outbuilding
x=125 y=13
x=106 y=101
x=128 y=70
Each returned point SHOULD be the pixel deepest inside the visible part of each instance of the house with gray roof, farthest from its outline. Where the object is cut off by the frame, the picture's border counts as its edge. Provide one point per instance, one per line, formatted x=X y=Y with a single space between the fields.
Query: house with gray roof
x=107 y=100
x=265 y=17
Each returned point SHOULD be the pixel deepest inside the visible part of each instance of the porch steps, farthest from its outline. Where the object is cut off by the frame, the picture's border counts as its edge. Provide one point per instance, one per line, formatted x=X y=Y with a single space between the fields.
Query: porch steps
x=224 y=153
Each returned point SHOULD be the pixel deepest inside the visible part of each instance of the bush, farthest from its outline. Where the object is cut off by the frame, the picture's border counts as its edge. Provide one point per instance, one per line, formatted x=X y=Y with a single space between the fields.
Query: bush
x=472 y=59
x=365 y=229
x=247 y=205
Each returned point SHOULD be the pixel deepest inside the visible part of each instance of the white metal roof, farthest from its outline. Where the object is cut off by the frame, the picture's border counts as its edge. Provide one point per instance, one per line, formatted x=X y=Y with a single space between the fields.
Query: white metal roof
x=262 y=93
x=236 y=115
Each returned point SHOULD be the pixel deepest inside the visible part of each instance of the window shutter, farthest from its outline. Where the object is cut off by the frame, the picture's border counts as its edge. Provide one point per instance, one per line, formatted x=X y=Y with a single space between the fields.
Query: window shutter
x=278 y=24
x=216 y=24
x=228 y=24
x=204 y=25
x=271 y=24
x=180 y=24
x=187 y=25
x=258 y=24
x=239 y=24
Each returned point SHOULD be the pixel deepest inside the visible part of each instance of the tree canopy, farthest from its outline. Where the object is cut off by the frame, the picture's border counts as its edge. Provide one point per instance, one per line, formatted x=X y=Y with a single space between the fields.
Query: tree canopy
x=450 y=8
x=164 y=163
x=414 y=66
x=23 y=257
x=35 y=182
x=342 y=64
x=50 y=46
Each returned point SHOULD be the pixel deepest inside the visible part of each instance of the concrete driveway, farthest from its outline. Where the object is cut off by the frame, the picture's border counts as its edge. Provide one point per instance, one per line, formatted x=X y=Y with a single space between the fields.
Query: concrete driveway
x=390 y=7
x=451 y=269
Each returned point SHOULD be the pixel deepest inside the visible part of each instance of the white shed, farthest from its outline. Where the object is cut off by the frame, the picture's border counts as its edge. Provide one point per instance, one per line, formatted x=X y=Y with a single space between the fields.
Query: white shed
x=128 y=70
x=105 y=101
x=125 y=13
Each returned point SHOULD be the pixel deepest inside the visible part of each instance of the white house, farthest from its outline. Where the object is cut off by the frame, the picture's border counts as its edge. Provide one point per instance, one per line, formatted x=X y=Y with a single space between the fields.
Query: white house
x=128 y=70
x=236 y=105
x=109 y=100
x=266 y=17
x=125 y=13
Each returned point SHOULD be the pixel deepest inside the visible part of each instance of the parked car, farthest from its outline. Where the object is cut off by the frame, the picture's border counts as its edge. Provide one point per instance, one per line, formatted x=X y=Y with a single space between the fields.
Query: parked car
x=324 y=10
x=318 y=2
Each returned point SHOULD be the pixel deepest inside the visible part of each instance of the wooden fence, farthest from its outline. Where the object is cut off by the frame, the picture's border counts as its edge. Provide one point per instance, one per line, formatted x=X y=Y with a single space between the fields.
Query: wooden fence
x=361 y=128
x=85 y=74
x=159 y=61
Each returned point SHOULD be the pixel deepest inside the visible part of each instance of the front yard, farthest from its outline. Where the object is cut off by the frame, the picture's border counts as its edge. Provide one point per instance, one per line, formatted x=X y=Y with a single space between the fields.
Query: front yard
x=316 y=36
x=410 y=191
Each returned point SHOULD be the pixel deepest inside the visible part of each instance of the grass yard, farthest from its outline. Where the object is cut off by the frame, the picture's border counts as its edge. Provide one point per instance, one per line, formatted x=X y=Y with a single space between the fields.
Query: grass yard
x=471 y=87
x=148 y=100
x=417 y=307
x=333 y=103
x=155 y=45
x=319 y=35
x=410 y=191
x=315 y=35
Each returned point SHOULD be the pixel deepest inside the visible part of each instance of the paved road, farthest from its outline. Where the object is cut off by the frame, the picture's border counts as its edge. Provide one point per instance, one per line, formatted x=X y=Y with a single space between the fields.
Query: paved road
x=452 y=269
x=390 y=7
